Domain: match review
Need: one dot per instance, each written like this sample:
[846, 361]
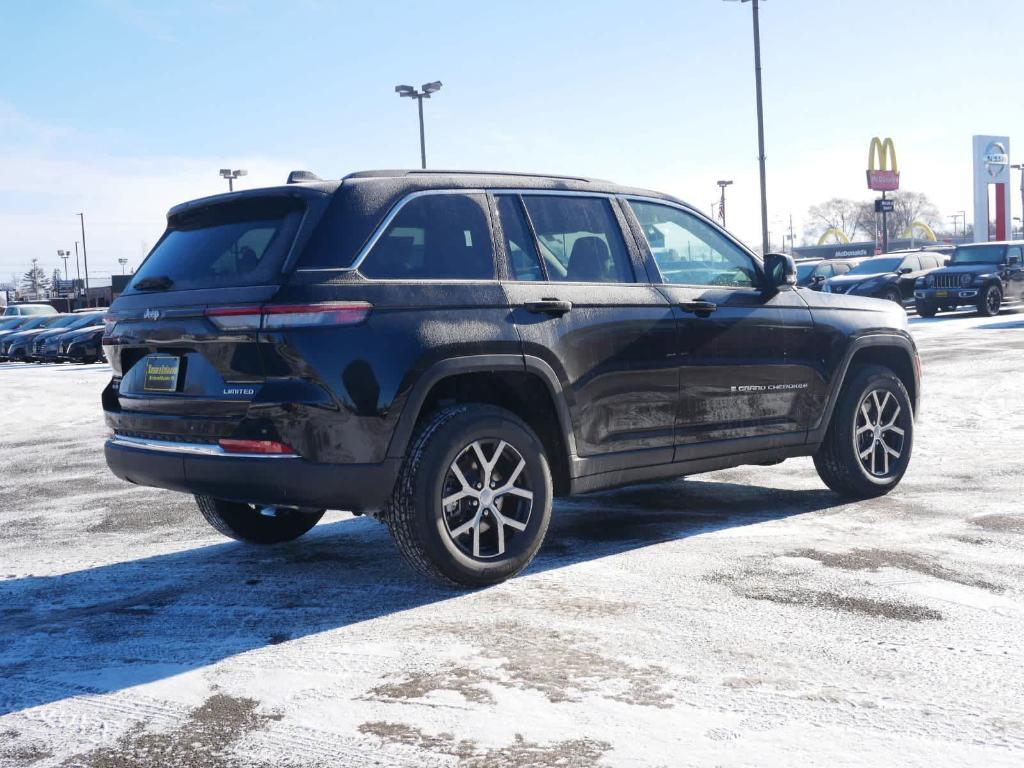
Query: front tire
[472, 502]
[891, 294]
[867, 447]
[254, 523]
[990, 301]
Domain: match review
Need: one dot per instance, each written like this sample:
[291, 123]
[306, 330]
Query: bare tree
[848, 216]
[908, 207]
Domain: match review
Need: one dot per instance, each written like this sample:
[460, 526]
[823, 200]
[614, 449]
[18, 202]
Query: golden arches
[927, 232]
[882, 151]
[835, 232]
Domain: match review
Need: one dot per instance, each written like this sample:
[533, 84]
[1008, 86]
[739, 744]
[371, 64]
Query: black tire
[421, 525]
[246, 522]
[990, 300]
[838, 459]
[926, 310]
[893, 294]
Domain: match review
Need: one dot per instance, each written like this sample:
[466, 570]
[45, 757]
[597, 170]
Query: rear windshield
[228, 244]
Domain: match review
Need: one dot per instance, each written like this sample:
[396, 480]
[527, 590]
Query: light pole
[85, 257]
[722, 184]
[64, 255]
[760, 125]
[78, 269]
[231, 175]
[424, 93]
[122, 261]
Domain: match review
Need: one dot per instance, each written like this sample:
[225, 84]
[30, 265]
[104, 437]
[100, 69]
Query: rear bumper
[281, 480]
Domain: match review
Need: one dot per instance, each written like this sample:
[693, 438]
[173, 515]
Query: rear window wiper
[160, 283]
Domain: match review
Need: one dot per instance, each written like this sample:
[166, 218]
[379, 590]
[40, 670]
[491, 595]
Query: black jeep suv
[982, 275]
[450, 350]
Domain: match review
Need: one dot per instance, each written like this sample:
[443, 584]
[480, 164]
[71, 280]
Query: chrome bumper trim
[202, 449]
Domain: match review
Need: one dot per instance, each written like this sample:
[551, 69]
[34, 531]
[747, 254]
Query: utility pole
[792, 243]
[85, 258]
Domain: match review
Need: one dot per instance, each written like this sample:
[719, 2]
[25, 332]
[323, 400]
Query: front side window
[689, 251]
[912, 263]
[579, 238]
[825, 270]
[435, 237]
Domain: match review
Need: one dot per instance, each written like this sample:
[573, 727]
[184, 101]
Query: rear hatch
[184, 338]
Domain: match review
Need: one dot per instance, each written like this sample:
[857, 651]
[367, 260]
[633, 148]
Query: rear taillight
[109, 321]
[255, 446]
[280, 316]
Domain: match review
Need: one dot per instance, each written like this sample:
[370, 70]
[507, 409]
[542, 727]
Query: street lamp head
[241, 172]
[225, 172]
[433, 87]
[724, 182]
[405, 90]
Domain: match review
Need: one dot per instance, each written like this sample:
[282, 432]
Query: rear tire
[867, 447]
[990, 301]
[247, 522]
[492, 469]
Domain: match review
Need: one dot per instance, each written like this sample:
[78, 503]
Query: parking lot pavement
[744, 617]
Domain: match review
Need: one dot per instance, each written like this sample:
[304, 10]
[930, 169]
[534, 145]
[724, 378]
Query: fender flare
[893, 340]
[456, 366]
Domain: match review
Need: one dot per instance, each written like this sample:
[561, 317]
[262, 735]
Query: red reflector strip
[254, 446]
[277, 316]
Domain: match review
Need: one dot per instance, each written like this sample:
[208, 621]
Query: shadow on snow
[114, 626]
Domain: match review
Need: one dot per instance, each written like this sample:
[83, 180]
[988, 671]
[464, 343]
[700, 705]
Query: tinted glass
[911, 262]
[876, 266]
[690, 252]
[10, 323]
[435, 237]
[841, 269]
[804, 271]
[580, 239]
[242, 243]
[978, 254]
[825, 270]
[1014, 253]
[523, 261]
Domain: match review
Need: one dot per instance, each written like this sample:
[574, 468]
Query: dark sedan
[45, 345]
[12, 345]
[83, 345]
[890, 277]
[812, 273]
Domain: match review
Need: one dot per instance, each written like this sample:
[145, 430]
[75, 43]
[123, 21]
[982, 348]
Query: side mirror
[1014, 261]
[946, 262]
[818, 279]
[780, 269]
[905, 270]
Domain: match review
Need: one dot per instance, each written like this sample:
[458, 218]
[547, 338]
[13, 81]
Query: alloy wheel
[877, 435]
[486, 498]
[992, 300]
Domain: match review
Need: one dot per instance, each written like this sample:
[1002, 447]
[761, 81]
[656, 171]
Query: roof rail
[450, 172]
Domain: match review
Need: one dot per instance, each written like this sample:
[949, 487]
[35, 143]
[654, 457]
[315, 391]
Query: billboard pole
[885, 227]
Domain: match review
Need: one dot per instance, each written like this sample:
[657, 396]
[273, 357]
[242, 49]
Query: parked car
[35, 324]
[890, 277]
[21, 310]
[448, 351]
[982, 275]
[82, 346]
[812, 273]
[12, 323]
[37, 351]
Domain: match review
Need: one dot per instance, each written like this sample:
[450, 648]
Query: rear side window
[523, 261]
[435, 237]
[580, 239]
[230, 244]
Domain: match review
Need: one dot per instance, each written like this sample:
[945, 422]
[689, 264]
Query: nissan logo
[996, 159]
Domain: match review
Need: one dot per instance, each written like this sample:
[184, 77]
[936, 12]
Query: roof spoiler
[298, 177]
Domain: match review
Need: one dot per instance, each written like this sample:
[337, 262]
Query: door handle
[699, 308]
[553, 307]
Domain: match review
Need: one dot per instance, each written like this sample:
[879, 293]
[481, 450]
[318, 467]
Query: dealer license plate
[942, 294]
[161, 374]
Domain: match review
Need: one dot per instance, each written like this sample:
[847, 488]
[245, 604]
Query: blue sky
[121, 109]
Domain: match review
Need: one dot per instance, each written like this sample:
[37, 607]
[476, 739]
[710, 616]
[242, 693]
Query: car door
[907, 279]
[745, 365]
[610, 339]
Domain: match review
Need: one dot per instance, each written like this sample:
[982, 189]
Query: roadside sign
[883, 205]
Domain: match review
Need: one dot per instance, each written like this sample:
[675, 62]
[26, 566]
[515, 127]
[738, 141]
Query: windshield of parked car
[81, 321]
[804, 271]
[978, 254]
[38, 321]
[11, 323]
[875, 266]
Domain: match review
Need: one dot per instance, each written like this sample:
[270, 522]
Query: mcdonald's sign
[883, 172]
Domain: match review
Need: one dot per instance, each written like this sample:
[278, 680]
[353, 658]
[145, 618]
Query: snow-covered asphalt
[740, 618]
